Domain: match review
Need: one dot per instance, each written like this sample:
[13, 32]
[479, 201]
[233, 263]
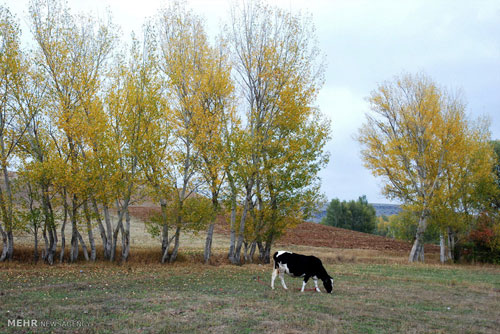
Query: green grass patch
[192, 298]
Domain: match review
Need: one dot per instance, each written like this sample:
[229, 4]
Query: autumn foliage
[93, 124]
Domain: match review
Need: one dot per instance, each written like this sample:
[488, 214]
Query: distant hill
[386, 209]
[380, 209]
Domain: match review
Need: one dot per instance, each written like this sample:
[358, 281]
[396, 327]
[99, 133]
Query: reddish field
[316, 235]
[312, 234]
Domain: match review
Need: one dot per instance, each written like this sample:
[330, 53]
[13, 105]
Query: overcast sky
[457, 43]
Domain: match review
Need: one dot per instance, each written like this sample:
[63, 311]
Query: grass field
[193, 298]
[375, 291]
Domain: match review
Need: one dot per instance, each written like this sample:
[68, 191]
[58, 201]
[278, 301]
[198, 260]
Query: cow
[298, 265]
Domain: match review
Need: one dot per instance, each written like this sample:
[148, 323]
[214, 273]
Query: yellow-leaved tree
[418, 141]
[468, 182]
[279, 74]
[12, 122]
[217, 111]
[185, 60]
[72, 51]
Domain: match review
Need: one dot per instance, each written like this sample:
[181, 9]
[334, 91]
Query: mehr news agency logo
[35, 323]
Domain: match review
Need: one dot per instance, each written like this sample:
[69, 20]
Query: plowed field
[318, 235]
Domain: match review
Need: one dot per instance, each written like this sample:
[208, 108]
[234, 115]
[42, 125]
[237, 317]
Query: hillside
[312, 234]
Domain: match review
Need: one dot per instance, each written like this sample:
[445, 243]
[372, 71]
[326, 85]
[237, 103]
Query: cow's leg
[275, 273]
[282, 278]
[306, 278]
[316, 284]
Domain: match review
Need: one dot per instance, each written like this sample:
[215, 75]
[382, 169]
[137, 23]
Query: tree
[72, 53]
[495, 200]
[135, 105]
[217, 110]
[416, 135]
[194, 92]
[353, 215]
[468, 185]
[39, 164]
[13, 124]
[279, 75]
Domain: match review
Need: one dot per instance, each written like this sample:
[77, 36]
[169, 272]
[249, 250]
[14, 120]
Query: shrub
[483, 242]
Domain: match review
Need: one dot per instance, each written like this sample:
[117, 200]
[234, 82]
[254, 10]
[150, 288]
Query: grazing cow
[297, 265]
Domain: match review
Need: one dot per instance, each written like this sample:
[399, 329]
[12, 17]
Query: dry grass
[376, 291]
[192, 298]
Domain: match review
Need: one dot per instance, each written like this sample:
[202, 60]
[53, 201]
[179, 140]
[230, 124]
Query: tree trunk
[417, 251]
[173, 256]
[115, 239]
[164, 224]
[230, 255]
[121, 210]
[102, 231]
[266, 258]
[8, 217]
[442, 248]
[36, 243]
[451, 244]
[10, 245]
[74, 232]
[52, 245]
[109, 232]
[4, 242]
[63, 237]
[245, 250]
[253, 247]
[165, 241]
[45, 250]
[236, 259]
[84, 247]
[89, 231]
[262, 251]
[118, 228]
[208, 242]
[49, 225]
[232, 186]
[165, 256]
[126, 237]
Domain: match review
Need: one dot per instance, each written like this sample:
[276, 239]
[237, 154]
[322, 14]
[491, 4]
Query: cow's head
[328, 284]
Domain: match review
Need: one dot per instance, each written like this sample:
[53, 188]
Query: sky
[457, 43]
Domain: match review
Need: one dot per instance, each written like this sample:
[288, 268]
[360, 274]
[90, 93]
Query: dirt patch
[312, 234]
[145, 212]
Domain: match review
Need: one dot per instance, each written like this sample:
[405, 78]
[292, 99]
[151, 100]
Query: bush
[403, 226]
[483, 242]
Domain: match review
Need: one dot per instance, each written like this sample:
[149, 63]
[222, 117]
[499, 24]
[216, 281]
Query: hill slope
[312, 234]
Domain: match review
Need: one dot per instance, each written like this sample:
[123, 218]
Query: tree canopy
[353, 215]
[429, 155]
[96, 124]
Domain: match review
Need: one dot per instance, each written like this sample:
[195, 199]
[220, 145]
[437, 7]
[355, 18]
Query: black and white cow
[298, 265]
